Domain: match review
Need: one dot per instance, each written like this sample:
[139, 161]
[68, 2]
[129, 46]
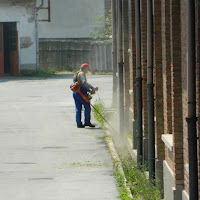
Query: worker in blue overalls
[85, 87]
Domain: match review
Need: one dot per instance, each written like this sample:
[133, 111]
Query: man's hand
[94, 90]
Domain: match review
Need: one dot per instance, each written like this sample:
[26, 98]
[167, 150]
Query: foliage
[124, 195]
[129, 135]
[137, 181]
[46, 73]
[103, 29]
[99, 106]
[42, 72]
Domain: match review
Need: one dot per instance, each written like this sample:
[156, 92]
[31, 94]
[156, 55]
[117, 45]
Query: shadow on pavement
[7, 78]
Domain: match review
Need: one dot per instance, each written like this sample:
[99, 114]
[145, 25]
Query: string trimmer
[101, 116]
[87, 97]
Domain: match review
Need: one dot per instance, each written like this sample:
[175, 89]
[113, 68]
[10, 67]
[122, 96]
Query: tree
[103, 29]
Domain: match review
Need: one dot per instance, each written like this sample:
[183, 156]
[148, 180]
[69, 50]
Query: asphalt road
[43, 155]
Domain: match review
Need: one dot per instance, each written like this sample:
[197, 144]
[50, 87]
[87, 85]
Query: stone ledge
[130, 92]
[168, 140]
[187, 168]
[185, 196]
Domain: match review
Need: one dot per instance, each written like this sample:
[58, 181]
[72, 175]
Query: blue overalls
[79, 102]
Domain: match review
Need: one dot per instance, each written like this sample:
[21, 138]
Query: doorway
[9, 62]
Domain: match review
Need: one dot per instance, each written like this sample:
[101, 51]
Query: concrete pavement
[43, 155]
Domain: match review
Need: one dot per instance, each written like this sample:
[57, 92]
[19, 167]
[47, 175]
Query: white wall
[71, 18]
[24, 14]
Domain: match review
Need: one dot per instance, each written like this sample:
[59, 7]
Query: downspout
[114, 51]
[150, 94]
[120, 70]
[138, 84]
[36, 34]
[191, 92]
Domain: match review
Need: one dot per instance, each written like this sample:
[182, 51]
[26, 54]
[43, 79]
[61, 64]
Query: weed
[103, 29]
[102, 73]
[137, 181]
[133, 177]
[42, 72]
[124, 194]
[46, 73]
[129, 135]
[99, 106]
[75, 70]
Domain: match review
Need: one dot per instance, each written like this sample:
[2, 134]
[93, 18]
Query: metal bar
[138, 83]
[36, 34]
[37, 41]
[101, 116]
[150, 94]
[120, 70]
[138, 37]
[192, 154]
[40, 6]
[114, 51]
[49, 10]
[191, 92]
[151, 132]
[139, 121]
[121, 97]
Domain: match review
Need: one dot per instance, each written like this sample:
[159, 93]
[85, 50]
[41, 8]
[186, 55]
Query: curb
[116, 161]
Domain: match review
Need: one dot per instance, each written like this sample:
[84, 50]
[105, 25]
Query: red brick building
[176, 33]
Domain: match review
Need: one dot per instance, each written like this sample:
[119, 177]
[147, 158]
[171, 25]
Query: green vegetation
[102, 73]
[48, 72]
[99, 106]
[105, 32]
[124, 193]
[43, 72]
[132, 179]
[130, 136]
[137, 181]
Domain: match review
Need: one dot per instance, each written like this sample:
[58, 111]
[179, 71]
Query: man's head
[85, 68]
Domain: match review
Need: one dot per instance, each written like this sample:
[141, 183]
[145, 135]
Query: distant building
[70, 19]
[17, 36]
[59, 21]
[65, 40]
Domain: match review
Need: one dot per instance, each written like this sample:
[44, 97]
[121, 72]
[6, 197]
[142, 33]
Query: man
[80, 76]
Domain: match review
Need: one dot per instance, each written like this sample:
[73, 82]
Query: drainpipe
[150, 94]
[114, 51]
[191, 92]
[36, 34]
[138, 84]
[120, 69]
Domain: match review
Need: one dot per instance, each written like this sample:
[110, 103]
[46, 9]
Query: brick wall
[126, 63]
[170, 76]
[168, 157]
[198, 80]
[132, 56]
[166, 69]
[144, 64]
[184, 89]
[159, 123]
[176, 85]
[166, 63]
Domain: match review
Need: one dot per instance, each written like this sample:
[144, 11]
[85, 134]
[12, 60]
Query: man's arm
[84, 83]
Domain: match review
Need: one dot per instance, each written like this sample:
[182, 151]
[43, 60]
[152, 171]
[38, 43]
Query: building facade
[17, 36]
[70, 19]
[171, 92]
[65, 29]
